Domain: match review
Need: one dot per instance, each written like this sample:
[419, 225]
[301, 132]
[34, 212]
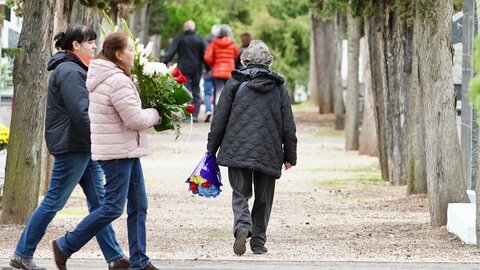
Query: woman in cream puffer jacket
[117, 120]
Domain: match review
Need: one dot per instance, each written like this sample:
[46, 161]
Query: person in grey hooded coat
[254, 133]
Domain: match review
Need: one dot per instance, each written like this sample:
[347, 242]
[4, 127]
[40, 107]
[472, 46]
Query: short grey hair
[257, 53]
[224, 31]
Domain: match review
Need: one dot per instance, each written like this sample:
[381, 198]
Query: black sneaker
[23, 263]
[259, 250]
[239, 245]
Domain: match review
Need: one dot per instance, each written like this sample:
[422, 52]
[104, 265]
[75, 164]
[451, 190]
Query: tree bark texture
[324, 51]
[417, 160]
[312, 73]
[312, 77]
[446, 182]
[399, 68]
[391, 58]
[368, 134]
[23, 172]
[352, 107]
[339, 107]
[140, 23]
[376, 43]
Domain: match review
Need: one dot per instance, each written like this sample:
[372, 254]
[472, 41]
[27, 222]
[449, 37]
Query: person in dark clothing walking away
[254, 133]
[190, 48]
[67, 133]
[246, 39]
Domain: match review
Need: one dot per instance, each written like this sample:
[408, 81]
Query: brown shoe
[150, 267]
[58, 257]
[121, 263]
[23, 263]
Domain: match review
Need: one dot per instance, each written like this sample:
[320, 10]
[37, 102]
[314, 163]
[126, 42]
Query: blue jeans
[69, 170]
[207, 92]
[124, 181]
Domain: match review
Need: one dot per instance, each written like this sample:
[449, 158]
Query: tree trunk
[416, 161]
[399, 70]
[312, 73]
[324, 47]
[338, 96]
[446, 183]
[351, 132]
[23, 170]
[368, 134]
[377, 48]
[140, 23]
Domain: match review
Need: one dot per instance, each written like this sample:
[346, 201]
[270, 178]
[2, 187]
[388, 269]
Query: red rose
[176, 72]
[181, 79]
[190, 108]
[206, 185]
[193, 186]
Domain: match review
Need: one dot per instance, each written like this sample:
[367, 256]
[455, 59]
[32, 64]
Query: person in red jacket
[221, 55]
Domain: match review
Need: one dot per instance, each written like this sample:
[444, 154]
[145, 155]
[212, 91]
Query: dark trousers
[193, 84]
[218, 85]
[264, 187]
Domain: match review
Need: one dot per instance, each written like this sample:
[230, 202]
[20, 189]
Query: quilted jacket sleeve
[289, 130]
[222, 114]
[126, 102]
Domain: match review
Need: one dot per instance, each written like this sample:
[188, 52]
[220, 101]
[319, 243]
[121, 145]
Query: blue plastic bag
[206, 179]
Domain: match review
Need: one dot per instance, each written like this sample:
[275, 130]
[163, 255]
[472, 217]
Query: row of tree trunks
[446, 184]
[352, 103]
[23, 171]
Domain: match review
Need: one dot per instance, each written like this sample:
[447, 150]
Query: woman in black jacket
[254, 133]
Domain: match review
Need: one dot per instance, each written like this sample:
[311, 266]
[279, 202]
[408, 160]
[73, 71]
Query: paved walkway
[79, 264]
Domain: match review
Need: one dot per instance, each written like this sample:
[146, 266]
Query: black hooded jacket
[190, 48]
[67, 126]
[254, 127]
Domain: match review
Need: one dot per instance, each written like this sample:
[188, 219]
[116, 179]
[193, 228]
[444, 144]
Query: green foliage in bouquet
[159, 86]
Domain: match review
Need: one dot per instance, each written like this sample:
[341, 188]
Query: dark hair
[116, 41]
[77, 32]
[246, 34]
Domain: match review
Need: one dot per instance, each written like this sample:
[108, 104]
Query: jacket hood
[62, 57]
[99, 70]
[261, 79]
[223, 42]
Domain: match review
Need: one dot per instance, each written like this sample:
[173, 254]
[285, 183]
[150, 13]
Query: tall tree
[368, 132]
[390, 43]
[324, 51]
[339, 106]
[23, 172]
[446, 183]
[377, 47]
[352, 103]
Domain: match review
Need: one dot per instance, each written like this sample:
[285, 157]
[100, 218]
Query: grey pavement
[82, 264]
